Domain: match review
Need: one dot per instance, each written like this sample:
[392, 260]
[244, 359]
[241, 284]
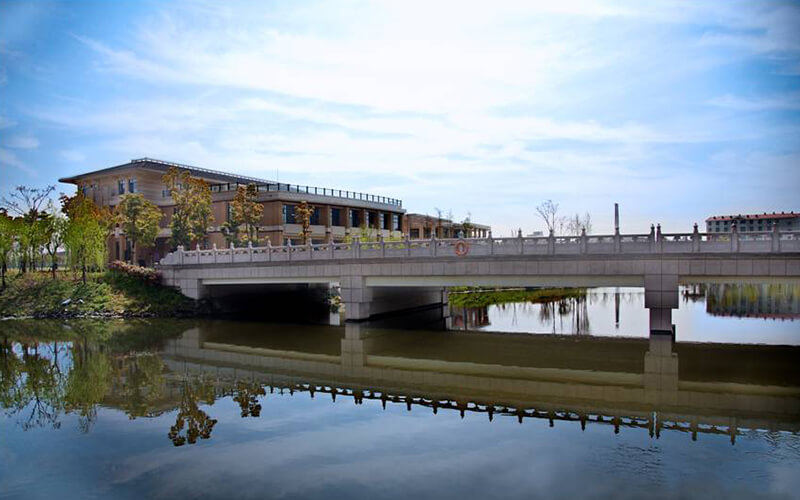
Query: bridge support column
[356, 297]
[661, 297]
[661, 370]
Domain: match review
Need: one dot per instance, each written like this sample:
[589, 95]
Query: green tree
[139, 219]
[28, 203]
[302, 213]
[86, 233]
[9, 233]
[245, 215]
[54, 228]
[192, 213]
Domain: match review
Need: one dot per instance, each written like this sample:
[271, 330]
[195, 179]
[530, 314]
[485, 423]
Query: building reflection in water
[654, 384]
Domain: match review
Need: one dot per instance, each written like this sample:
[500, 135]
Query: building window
[355, 218]
[228, 212]
[288, 214]
[131, 185]
[414, 234]
[336, 217]
[395, 222]
[120, 187]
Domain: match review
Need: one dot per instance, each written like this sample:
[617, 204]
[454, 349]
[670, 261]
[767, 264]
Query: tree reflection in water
[246, 395]
[49, 369]
[191, 422]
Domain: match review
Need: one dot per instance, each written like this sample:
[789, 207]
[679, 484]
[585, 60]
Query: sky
[675, 110]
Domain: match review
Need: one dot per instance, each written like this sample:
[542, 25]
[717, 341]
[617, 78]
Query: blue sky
[676, 110]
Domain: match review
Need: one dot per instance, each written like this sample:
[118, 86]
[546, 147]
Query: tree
[27, 203]
[303, 212]
[192, 213]
[139, 219]
[577, 224]
[245, 215]
[9, 233]
[548, 211]
[86, 232]
[54, 228]
[467, 225]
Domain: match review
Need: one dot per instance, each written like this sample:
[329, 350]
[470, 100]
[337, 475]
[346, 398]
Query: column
[356, 297]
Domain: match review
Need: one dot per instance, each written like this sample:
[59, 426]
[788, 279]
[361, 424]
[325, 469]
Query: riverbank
[110, 294]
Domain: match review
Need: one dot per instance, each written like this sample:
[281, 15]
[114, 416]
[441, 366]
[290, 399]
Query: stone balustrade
[655, 242]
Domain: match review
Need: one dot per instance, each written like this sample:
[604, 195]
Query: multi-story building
[337, 212]
[786, 221]
[422, 226]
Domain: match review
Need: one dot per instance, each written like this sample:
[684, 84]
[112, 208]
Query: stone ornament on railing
[656, 242]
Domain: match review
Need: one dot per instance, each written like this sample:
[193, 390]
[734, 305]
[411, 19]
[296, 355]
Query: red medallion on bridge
[462, 248]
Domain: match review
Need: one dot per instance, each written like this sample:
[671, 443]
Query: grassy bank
[472, 297]
[107, 294]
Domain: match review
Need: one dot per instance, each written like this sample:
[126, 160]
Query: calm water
[218, 409]
[757, 314]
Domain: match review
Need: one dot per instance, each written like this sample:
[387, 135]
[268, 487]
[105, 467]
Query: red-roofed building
[786, 221]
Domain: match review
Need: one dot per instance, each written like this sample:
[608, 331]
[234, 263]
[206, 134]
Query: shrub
[146, 274]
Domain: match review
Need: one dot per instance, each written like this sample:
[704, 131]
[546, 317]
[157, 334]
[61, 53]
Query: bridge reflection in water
[652, 384]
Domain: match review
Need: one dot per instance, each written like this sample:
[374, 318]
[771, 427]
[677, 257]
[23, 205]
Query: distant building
[336, 211]
[786, 221]
[422, 226]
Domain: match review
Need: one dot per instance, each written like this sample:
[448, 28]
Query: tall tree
[302, 213]
[192, 213]
[577, 224]
[9, 232]
[28, 203]
[548, 211]
[86, 233]
[54, 229]
[139, 218]
[245, 215]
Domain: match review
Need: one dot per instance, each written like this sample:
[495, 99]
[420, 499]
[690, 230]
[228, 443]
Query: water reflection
[653, 384]
[706, 311]
[237, 399]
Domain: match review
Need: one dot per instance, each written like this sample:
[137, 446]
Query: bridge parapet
[654, 243]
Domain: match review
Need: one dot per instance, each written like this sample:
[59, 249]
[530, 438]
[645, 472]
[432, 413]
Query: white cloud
[785, 102]
[22, 142]
[10, 159]
[73, 155]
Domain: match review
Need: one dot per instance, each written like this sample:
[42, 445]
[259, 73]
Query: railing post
[651, 238]
[269, 250]
[356, 247]
[776, 238]
[289, 248]
[617, 241]
[408, 245]
[310, 248]
[695, 239]
[734, 238]
[383, 245]
[231, 248]
[250, 250]
[520, 241]
[214, 250]
[659, 239]
[491, 243]
[180, 254]
[551, 243]
[433, 244]
[584, 241]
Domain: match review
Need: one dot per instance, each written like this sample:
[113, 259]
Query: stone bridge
[377, 278]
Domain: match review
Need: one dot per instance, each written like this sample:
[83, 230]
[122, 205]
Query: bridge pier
[363, 302]
[661, 297]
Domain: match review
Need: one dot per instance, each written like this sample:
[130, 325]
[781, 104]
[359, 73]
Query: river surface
[221, 409]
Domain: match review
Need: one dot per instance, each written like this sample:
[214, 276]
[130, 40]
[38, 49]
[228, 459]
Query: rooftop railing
[629, 244]
[318, 191]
